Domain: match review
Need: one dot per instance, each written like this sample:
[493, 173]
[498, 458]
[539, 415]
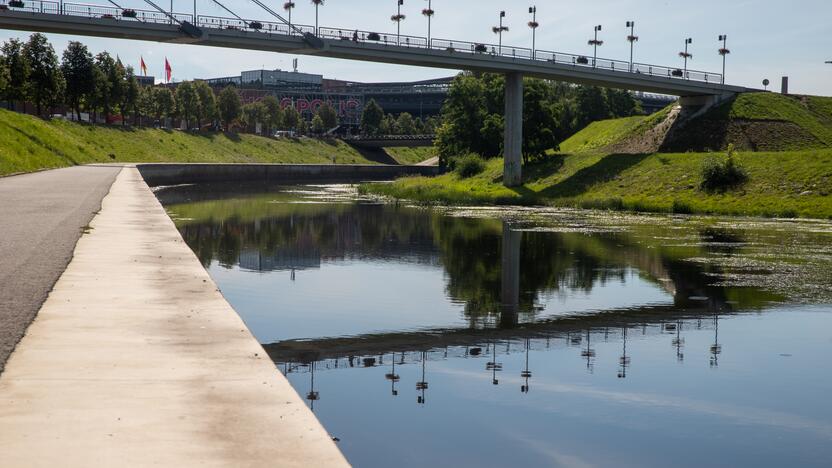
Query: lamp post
[685, 55]
[398, 17]
[289, 6]
[171, 12]
[595, 43]
[632, 39]
[534, 25]
[499, 31]
[723, 51]
[317, 4]
[428, 12]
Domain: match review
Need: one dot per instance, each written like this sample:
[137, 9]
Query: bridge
[391, 141]
[281, 36]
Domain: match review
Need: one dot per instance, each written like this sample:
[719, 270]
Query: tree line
[472, 119]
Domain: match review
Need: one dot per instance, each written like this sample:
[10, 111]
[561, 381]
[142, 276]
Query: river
[530, 336]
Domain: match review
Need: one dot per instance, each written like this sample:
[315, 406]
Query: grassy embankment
[585, 174]
[412, 155]
[29, 144]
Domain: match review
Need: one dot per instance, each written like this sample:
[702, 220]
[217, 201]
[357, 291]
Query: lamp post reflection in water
[422, 385]
[312, 396]
[716, 348]
[589, 354]
[493, 365]
[624, 360]
[526, 374]
[679, 342]
[393, 377]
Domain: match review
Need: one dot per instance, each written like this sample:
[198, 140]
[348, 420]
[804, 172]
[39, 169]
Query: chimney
[784, 85]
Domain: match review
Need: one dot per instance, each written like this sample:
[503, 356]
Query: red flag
[168, 70]
[143, 66]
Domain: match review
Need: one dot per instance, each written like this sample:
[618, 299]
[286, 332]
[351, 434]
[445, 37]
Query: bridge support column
[513, 143]
[510, 276]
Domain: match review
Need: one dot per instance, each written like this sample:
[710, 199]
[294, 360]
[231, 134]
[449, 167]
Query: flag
[143, 67]
[168, 70]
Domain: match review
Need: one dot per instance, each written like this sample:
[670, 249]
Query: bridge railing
[372, 37]
[481, 48]
[218, 22]
[34, 6]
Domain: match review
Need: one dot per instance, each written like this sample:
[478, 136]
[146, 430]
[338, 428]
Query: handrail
[369, 37]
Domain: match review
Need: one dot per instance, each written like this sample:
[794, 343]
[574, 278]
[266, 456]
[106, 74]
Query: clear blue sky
[767, 38]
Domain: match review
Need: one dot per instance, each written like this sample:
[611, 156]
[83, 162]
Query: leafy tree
[46, 82]
[303, 127]
[207, 109]
[590, 106]
[4, 77]
[318, 126]
[253, 114]
[621, 103]
[164, 103]
[371, 118]
[274, 114]
[145, 105]
[540, 120]
[229, 106]
[328, 115]
[291, 118]
[405, 124]
[16, 64]
[187, 102]
[388, 125]
[104, 73]
[77, 67]
[129, 103]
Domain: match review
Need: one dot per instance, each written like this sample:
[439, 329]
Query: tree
[405, 124]
[164, 103]
[4, 77]
[130, 95]
[621, 103]
[540, 120]
[77, 67]
[274, 114]
[17, 65]
[328, 115]
[229, 106]
[104, 73]
[291, 118]
[388, 125]
[590, 106]
[318, 126]
[46, 82]
[207, 109]
[187, 102]
[371, 118]
[253, 114]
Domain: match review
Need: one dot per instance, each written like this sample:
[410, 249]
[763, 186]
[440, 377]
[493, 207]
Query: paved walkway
[136, 359]
[42, 217]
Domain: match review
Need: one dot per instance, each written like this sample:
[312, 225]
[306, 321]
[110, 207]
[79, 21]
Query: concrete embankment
[172, 174]
[136, 359]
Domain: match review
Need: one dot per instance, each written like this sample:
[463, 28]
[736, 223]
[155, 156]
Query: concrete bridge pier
[513, 132]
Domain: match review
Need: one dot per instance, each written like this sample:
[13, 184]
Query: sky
[767, 38]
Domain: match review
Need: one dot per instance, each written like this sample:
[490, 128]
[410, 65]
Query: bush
[468, 165]
[720, 174]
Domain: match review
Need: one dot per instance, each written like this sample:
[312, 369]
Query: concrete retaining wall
[173, 174]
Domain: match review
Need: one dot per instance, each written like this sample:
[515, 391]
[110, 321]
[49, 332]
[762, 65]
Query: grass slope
[783, 184]
[600, 134]
[412, 155]
[30, 144]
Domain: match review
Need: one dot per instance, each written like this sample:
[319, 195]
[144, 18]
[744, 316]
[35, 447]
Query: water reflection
[423, 327]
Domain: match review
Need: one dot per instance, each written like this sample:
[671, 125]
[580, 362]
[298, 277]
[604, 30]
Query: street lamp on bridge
[317, 4]
[632, 39]
[428, 12]
[289, 6]
[534, 25]
[499, 31]
[595, 43]
[398, 18]
[686, 55]
[723, 51]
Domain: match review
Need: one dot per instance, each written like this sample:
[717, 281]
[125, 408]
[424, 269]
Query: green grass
[30, 144]
[781, 184]
[412, 155]
[598, 135]
[814, 115]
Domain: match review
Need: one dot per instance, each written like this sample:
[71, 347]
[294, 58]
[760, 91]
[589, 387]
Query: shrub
[720, 174]
[468, 165]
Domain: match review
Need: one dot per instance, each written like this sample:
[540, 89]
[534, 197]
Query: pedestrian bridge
[236, 32]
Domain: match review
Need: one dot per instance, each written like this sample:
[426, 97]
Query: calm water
[517, 337]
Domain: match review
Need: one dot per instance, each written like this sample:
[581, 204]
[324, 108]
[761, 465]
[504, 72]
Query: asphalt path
[42, 216]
